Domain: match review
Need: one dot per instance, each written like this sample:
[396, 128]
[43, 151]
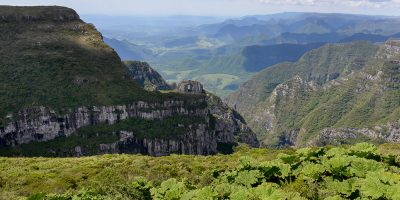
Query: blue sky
[219, 7]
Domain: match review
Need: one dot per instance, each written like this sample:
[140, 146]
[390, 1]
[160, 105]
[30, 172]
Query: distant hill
[129, 51]
[181, 42]
[258, 58]
[239, 32]
[302, 38]
[369, 37]
[332, 95]
[317, 63]
[303, 23]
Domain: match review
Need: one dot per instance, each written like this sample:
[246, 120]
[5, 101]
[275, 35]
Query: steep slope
[146, 76]
[63, 89]
[345, 97]
[58, 62]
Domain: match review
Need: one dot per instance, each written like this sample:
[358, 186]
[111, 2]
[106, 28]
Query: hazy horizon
[218, 8]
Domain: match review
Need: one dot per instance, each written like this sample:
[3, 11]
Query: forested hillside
[338, 94]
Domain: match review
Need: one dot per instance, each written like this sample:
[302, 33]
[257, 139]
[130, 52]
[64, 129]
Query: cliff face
[221, 126]
[66, 93]
[42, 124]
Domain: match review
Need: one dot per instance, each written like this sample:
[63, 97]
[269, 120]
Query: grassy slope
[61, 65]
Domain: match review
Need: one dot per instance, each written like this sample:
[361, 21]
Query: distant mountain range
[305, 23]
[229, 52]
[129, 51]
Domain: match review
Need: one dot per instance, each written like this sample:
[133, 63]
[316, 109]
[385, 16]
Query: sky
[218, 7]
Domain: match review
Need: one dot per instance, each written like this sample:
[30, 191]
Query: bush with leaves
[353, 172]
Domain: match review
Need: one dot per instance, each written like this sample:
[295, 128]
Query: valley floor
[247, 174]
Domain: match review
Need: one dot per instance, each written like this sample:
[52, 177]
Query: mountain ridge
[338, 109]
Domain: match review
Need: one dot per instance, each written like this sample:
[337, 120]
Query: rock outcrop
[190, 87]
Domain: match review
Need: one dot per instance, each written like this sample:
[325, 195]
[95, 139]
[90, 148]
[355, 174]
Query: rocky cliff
[66, 93]
[221, 126]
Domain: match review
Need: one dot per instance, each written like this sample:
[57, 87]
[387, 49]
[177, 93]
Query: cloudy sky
[219, 7]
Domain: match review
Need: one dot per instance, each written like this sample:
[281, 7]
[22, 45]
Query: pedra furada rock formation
[64, 92]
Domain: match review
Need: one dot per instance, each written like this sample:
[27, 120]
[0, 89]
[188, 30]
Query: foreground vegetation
[350, 172]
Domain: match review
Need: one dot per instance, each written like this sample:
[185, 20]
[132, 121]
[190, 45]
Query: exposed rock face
[338, 136]
[190, 87]
[196, 142]
[41, 124]
[228, 120]
[146, 76]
